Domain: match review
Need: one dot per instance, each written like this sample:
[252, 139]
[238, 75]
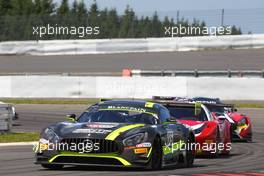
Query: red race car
[212, 133]
[241, 124]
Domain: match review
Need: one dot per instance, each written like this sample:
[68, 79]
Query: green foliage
[17, 19]
[19, 137]
[63, 8]
[43, 7]
[5, 7]
[235, 31]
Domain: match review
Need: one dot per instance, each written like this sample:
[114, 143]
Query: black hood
[93, 130]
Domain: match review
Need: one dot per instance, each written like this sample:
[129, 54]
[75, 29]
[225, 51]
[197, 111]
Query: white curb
[17, 144]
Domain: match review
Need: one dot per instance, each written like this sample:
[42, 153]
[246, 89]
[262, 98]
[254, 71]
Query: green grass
[238, 104]
[18, 137]
[247, 105]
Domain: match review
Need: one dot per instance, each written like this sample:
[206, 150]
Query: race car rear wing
[171, 103]
[203, 100]
[175, 99]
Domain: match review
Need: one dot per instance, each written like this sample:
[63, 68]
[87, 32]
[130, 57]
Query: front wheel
[190, 152]
[52, 166]
[156, 156]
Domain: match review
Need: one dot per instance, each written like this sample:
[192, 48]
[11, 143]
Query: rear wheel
[52, 166]
[218, 140]
[227, 150]
[250, 137]
[156, 156]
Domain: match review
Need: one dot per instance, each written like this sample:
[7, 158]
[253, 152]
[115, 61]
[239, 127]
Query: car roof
[182, 101]
[138, 103]
[175, 103]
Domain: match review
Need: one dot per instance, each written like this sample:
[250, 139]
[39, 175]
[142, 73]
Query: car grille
[103, 146]
[87, 160]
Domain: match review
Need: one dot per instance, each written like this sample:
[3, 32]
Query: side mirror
[235, 110]
[221, 119]
[71, 117]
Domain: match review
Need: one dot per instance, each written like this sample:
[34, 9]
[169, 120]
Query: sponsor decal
[169, 138]
[207, 102]
[141, 150]
[146, 144]
[101, 125]
[127, 108]
[92, 131]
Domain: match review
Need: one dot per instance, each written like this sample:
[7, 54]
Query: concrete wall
[104, 46]
[131, 87]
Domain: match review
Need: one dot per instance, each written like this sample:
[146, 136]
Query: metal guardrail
[60, 74]
[200, 73]
[158, 73]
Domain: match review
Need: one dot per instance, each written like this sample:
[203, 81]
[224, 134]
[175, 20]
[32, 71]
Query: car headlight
[242, 122]
[135, 139]
[50, 135]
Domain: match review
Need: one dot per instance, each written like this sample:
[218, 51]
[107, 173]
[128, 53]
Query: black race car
[117, 133]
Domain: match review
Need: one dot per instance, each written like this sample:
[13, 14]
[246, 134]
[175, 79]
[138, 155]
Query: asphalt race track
[109, 63]
[245, 157]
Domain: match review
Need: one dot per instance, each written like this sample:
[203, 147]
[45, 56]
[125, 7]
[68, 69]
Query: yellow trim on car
[150, 150]
[113, 135]
[149, 104]
[123, 161]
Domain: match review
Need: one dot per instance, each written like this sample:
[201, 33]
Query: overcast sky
[171, 5]
[247, 14]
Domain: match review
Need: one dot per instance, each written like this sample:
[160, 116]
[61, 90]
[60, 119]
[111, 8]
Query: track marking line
[17, 144]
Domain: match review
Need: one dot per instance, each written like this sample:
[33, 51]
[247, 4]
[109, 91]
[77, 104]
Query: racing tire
[190, 154]
[249, 140]
[218, 140]
[156, 156]
[52, 166]
[227, 152]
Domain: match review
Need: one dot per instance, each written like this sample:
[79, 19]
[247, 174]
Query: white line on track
[17, 144]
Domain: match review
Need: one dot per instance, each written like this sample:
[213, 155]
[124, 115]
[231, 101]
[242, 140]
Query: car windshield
[118, 114]
[187, 113]
[217, 109]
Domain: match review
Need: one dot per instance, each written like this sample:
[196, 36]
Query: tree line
[17, 18]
